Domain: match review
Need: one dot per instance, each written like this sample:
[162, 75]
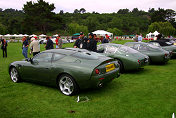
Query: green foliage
[115, 31]
[165, 28]
[75, 28]
[40, 16]
[3, 29]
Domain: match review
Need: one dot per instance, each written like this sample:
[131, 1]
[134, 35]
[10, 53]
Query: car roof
[112, 44]
[61, 51]
[161, 42]
[137, 43]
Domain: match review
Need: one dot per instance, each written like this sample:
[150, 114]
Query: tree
[61, 12]
[162, 15]
[39, 16]
[75, 28]
[165, 28]
[76, 11]
[3, 29]
[82, 10]
[123, 11]
[115, 31]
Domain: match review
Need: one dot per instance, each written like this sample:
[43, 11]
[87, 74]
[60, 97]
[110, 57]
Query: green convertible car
[156, 54]
[128, 58]
[70, 70]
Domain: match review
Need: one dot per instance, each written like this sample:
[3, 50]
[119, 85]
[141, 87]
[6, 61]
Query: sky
[100, 6]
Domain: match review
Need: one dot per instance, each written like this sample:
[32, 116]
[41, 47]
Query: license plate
[110, 67]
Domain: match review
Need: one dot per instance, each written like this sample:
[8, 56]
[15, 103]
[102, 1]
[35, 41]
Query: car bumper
[100, 80]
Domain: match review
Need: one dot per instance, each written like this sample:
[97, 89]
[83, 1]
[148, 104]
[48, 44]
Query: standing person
[25, 47]
[49, 44]
[136, 38]
[81, 42]
[35, 46]
[140, 38]
[59, 42]
[4, 47]
[106, 40]
[91, 43]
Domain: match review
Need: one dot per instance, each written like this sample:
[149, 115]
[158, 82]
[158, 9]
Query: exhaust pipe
[100, 85]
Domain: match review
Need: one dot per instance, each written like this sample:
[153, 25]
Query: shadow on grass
[86, 92]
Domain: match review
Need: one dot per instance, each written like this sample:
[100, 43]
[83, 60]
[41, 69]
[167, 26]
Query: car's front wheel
[14, 75]
[67, 85]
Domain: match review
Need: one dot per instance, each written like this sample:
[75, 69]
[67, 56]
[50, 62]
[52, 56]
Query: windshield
[126, 49]
[153, 46]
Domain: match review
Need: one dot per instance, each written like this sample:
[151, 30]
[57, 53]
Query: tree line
[38, 17]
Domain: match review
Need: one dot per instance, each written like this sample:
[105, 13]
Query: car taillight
[165, 55]
[139, 61]
[97, 71]
[101, 78]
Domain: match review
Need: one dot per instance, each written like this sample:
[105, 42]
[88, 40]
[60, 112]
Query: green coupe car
[166, 46]
[69, 69]
[128, 58]
[156, 54]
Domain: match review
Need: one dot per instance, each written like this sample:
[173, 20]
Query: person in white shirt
[35, 46]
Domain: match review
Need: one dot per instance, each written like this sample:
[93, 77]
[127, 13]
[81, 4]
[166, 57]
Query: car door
[40, 67]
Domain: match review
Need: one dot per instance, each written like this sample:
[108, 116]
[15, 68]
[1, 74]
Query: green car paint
[48, 66]
[156, 54]
[129, 58]
[171, 48]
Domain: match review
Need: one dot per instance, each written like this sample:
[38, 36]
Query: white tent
[1, 35]
[7, 35]
[102, 33]
[155, 33]
[42, 35]
[15, 35]
[150, 35]
[33, 35]
[25, 35]
[56, 35]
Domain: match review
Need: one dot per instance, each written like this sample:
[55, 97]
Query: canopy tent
[76, 34]
[1, 35]
[102, 33]
[55, 35]
[42, 35]
[20, 35]
[7, 35]
[156, 33]
[25, 35]
[33, 35]
[150, 35]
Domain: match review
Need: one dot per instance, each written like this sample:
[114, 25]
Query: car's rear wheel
[14, 75]
[121, 70]
[67, 85]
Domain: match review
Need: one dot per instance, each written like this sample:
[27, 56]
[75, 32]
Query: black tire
[14, 75]
[67, 85]
[121, 70]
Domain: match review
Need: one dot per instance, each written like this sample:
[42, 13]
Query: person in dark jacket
[4, 47]
[49, 44]
[106, 40]
[91, 43]
[81, 42]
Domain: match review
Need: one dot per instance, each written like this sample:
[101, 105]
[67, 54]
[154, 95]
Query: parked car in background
[156, 54]
[69, 69]
[166, 46]
[128, 58]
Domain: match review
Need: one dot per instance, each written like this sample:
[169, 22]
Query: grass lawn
[147, 93]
